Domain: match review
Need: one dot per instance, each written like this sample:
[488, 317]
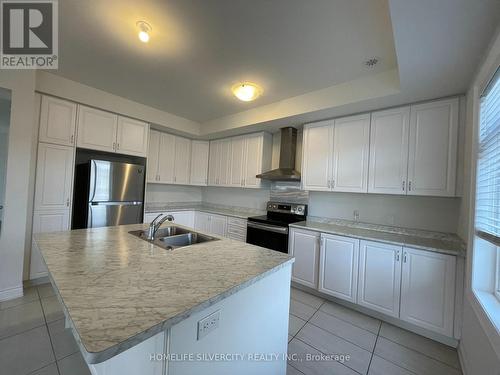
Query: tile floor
[376, 348]
[33, 340]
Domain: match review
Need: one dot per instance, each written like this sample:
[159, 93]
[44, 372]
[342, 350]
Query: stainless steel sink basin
[173, 237]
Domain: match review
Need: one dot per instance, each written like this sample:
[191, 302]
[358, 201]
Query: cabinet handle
[114, 146]
[409, 186]
[72, 139]
[67, 202]
[118, 146]
[333, 184]
[404, 184]
[175, 179]
[404, 258]
[397, 256]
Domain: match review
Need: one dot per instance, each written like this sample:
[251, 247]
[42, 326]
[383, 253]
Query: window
[487, 216]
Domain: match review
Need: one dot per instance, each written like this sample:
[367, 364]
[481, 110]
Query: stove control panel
[287, 208]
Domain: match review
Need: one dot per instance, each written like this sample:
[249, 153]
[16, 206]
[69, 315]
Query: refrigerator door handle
[133, 203]
[93, 180]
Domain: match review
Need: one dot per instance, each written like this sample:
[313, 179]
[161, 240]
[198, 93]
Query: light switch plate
[208, 324]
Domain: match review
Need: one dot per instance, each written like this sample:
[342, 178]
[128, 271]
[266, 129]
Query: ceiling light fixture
[144, 30]
[247, 91]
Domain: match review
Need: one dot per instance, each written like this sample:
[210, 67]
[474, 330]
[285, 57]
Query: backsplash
[282, 191]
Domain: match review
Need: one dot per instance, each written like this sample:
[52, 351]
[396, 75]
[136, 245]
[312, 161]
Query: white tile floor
[33, 340]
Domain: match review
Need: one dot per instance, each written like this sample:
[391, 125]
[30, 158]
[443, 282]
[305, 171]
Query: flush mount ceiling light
[144, 30]
[246, 91]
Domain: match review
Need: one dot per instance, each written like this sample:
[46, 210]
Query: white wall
[159, 193]
[18, 194]
[429, 213]
[4, 142]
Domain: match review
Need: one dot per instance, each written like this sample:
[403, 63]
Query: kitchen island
[135, 307]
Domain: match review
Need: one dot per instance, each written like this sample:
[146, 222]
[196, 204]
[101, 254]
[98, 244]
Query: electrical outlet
[208, 324]
[356, 215]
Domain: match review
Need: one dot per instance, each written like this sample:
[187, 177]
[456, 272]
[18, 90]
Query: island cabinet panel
[57, 121]
[199, 163]
[96, 129]
[433, 148]
[428, 290]
[380, 277]
[246, 317]
[137, 359]
[54, 177]
[338, 270]
[389, 151]
[304, 246]
[351, 140]
[316, 156]
[132, 137]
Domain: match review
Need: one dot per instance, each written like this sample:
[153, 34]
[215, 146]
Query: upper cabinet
[335, 155]
[237, 161]
[169, 159]
[389, 151]
[105, 131]
[199, 163]
[57, 121]
[409, 150]
[433, 148]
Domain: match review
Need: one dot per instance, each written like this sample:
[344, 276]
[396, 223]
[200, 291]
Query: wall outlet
[355, 214]
[208, 324]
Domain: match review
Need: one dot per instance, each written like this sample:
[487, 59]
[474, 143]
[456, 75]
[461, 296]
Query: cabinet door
[43, 222]
[238, 161]
[96, 129]
[182, 161]
[253, 158]
[317, 156]
[202, 222]
[351, 142]
[199, 163]
[166, 158]
[54, 177]
[218, 225]
[380, 277]
[183, 218]
[225, 162]
[338, 271]
[153, 154]
[433, 148]
[214, 163]
[428, 290]
[389, 151]
[304, 246]
[57, 121]
[132, 138]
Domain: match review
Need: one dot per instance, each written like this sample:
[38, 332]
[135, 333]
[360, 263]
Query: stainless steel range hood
[286, 170]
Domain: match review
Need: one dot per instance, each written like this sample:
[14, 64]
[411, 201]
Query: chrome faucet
[156, 224]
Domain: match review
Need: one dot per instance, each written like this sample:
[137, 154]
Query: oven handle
[269, 228]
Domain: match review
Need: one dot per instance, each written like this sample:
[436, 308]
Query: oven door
[269, 236]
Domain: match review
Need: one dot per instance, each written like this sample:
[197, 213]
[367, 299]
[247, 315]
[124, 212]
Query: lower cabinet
[304, 246]
[180, 217]
[428, 290]
[44, 222]
[379, 279]
[338, 266]
[237, 229]
[210, 223]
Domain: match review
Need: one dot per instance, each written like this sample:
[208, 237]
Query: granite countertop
[118, 290]
[445, 243]
[238, 212]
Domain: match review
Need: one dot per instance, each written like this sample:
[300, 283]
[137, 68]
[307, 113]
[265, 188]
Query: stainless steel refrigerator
[115, 193]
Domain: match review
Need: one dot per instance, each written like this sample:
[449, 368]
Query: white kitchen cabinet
[211, 223]
[304, 246]
[202, 221]
[389, 151]
[317, 156]
[380, 277]
[153, 156]
[185, 218]
[351, 142]
[132, 137]
[238, 161]
[182, 161]
[338, 269]
[166, 158]
[57, 121]
[54, 177]
[433, 148]
[428, 290]
[219, 168]
[258, 157]
[199, 163]
[44, 222]
[237, 229]
[96, 129]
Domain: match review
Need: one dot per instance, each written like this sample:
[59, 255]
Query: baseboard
[463, 361]
[11, 293]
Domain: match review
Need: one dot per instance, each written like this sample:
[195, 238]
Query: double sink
[174, 237]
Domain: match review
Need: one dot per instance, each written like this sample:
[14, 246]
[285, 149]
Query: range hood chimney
[286, 170]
